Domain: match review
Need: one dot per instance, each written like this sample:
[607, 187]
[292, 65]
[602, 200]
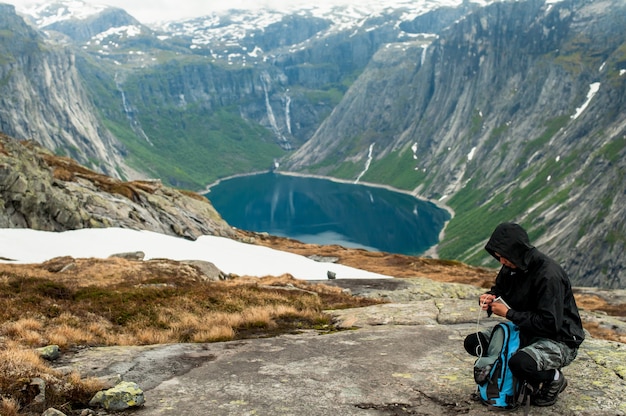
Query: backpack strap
[523, 399]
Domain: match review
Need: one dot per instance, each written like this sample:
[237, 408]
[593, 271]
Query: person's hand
[485, 300]
[499, 309]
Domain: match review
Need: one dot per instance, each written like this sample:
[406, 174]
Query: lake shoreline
[430, 252]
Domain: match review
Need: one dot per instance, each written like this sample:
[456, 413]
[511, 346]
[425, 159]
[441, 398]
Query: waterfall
[287, 112]
[270, 113]
[367, 163]
[423, 55]
[134, 123]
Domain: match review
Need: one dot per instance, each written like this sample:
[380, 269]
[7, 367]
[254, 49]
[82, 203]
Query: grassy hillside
[185, 146]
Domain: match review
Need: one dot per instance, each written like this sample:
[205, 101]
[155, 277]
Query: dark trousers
[524, 364]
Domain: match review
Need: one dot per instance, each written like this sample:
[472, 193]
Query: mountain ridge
[483, 139]
[435, 97]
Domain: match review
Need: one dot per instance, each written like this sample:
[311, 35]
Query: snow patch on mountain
[50, 13]
[593, 90]
[229, 35]
[471, 154]
[122, 31]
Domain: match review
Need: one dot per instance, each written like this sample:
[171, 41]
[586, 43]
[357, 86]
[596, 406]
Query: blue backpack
[497, 387]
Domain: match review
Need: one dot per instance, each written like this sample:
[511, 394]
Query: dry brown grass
[598, 331]
[67, 169]
[48, 310]
[9, 407]
[17, 362]
[28, 330]
[18, 366]
[120, 302]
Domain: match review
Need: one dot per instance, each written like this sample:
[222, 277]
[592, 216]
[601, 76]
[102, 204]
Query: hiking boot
[547, 395]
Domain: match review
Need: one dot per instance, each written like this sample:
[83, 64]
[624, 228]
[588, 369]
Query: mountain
[515, 112]
[249, 86]
[43, 98]
[501, 111]
[80, 22]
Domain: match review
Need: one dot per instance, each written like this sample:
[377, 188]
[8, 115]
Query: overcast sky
[154, 10]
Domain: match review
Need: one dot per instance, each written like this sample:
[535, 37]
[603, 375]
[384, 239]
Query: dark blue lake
[320, 211]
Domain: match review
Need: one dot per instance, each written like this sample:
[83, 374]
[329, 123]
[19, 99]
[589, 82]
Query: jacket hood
[510, 241]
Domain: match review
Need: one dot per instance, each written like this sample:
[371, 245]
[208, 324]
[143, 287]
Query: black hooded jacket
[538, 290]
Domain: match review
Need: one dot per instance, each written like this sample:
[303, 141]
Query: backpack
[496, 385]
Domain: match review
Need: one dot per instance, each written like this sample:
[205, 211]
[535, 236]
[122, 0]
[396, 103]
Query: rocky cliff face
[45, 192]
[515, 113]
[43, 98]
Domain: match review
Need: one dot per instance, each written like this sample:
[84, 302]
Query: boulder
[50, 352]
[123, 396]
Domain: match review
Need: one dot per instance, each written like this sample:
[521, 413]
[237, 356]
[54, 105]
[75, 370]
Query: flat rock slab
[412, 368]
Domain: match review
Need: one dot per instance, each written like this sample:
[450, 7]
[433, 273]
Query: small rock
[208, 269]
[40, 399]
[323, 259]
[50, 353]
[123, 396]
[133, 255]
[59, 264]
